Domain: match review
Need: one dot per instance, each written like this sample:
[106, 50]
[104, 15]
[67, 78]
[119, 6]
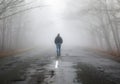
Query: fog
[90, 30]
[57, 16]
[81, 23]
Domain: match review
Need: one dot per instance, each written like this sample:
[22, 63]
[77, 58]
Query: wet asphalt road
[75, 66]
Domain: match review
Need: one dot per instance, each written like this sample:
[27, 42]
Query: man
[58, 42]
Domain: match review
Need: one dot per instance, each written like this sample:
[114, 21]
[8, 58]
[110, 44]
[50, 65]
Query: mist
[60, 41]
[57, 17]
[81, 23]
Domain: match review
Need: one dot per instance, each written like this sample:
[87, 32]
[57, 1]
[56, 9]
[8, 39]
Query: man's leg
[60, 49]
[57, 49]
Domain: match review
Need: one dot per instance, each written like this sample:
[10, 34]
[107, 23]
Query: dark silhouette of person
[58, 42]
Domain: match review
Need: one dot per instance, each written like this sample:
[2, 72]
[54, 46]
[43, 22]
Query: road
[75, 66]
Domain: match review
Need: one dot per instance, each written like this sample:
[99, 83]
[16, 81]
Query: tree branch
[20, 12]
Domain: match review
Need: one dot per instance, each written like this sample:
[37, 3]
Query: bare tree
[9, 11]
[107, 12]
[5, 5]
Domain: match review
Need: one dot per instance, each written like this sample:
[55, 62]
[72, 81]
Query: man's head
[58, 34]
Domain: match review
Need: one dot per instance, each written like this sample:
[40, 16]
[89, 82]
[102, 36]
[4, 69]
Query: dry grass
[110, 54]
[13, 52]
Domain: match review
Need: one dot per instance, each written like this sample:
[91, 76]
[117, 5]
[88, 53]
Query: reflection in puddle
[56, 64]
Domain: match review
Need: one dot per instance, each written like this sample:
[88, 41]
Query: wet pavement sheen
[41, 68]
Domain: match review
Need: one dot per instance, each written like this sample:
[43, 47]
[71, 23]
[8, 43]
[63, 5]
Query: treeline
[105, 24]
[13, 30]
